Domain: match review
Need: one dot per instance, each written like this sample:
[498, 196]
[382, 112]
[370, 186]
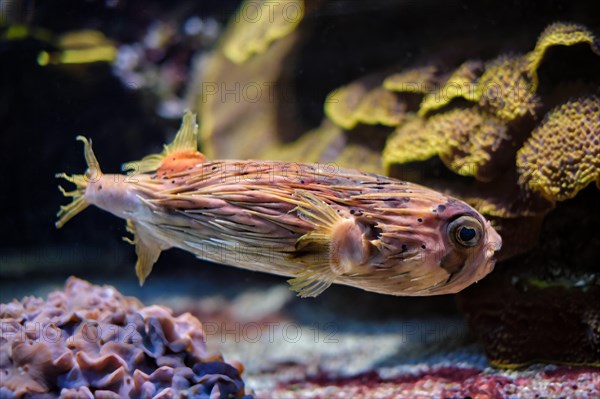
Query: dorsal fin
[177, 156]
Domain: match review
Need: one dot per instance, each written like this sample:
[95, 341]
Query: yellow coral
[381, 107]
[364, 101]
[415, 80]
[464, 139]
[372, 102]
[559, 34]
[461, 83]
[470, 139]
[410, 142]
[506, 90]
[562, 156]
[257, 24]
[342, 103]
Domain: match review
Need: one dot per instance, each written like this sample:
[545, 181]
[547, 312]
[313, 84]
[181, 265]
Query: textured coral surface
[89, 341]
[562, 156]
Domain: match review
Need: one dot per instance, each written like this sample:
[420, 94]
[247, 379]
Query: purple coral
[90, 341]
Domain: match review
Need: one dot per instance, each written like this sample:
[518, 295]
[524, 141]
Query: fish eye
[465, 231]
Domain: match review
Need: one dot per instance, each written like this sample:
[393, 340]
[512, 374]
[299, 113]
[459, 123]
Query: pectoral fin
[147, 249]
[333, 248]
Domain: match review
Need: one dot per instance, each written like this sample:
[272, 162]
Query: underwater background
[136, 67]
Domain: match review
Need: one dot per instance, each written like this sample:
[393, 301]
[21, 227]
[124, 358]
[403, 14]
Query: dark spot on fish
[420, 220]
[441, 208]
[352, 211]
[404, 247]
[173, 181]
[214, 168]
[423, 246]
[434, 210]
[100, 187]
[301, 181]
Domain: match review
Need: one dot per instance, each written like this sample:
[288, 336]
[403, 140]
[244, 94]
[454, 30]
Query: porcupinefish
[316, 223]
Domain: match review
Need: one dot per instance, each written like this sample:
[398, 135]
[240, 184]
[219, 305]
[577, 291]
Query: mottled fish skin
[316, 223]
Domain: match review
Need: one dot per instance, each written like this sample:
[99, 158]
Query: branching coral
[89, 341]
[562, 156]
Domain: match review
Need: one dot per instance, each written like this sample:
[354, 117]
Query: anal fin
[312, 280]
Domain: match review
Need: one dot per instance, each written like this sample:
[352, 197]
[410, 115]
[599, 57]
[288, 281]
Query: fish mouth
[494, 243]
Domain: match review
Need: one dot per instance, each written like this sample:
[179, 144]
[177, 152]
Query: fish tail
[78, 203]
